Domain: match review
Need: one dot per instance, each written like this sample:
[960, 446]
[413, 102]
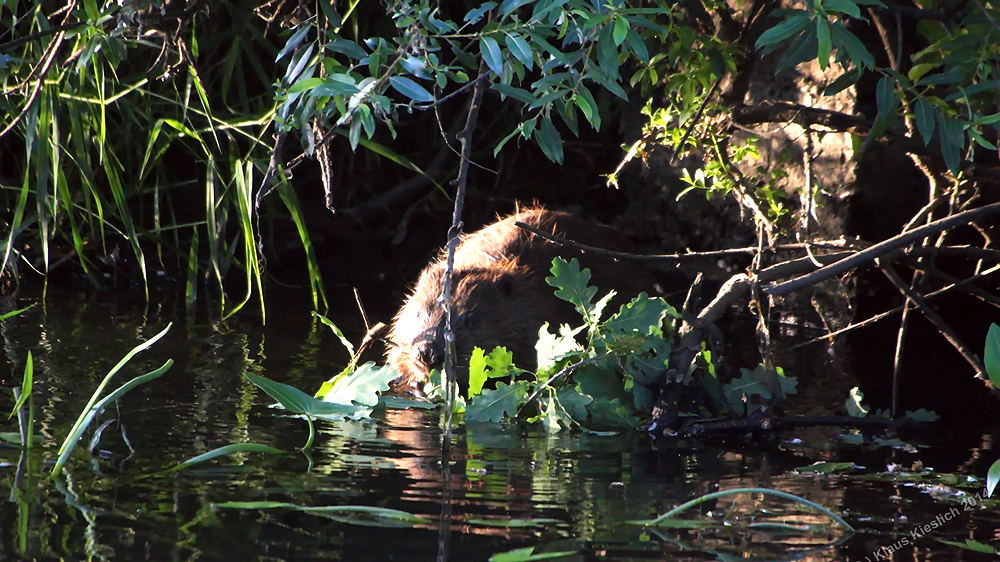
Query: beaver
[500, 295]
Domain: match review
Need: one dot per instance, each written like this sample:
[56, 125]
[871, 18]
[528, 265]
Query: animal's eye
[472, 321]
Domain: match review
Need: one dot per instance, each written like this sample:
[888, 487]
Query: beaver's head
[502, 304]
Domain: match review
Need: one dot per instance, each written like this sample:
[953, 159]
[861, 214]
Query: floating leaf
[527, 554]
[827, 467]
[992, 477]
[298, 402]
[226, 451]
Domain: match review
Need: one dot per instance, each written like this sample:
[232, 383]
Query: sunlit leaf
[855, 407]
[643, 314]
[620, 31]
[298, 402]
[363, 386]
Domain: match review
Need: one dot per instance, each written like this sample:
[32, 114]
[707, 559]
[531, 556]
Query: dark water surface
[580, 491]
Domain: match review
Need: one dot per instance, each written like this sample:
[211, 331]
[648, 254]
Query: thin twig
[454, 236]
[890, 312]
[939, 323]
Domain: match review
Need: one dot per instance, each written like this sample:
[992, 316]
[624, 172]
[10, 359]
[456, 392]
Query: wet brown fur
[500, 294]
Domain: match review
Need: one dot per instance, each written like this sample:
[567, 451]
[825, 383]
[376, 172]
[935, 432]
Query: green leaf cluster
[549, 57]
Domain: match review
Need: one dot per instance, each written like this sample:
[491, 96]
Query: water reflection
[510, 486]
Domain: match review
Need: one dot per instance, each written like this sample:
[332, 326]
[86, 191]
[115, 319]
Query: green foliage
[545, 57]
[608, 383]
[951, 83]
[493, 405]
[120, 151]
[499, 363]
[748, 393]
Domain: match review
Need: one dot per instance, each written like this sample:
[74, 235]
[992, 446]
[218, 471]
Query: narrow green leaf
[516, 93]
[787, 28]
[885, 95]
[950, 149]
[823, 43]
[620, 30]
[843, 6]
[298, 402]
[993, 476]
[475, 14]
[803, 48]
[28, 382]
[856, 50]
[924, 114]
[509, 6]
[410, 89]
[293, 42]
[303, 85]
[991, 356]
[336, 331]
[844, 81]
[88, 414]
[491, 54]
[588, 105]
[550, 141]
[520, 49]
[226, 451]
